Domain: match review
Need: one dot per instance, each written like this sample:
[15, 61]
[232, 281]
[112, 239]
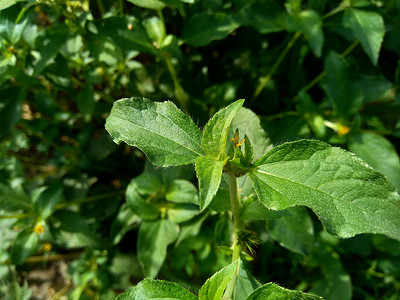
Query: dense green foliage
[313, 218]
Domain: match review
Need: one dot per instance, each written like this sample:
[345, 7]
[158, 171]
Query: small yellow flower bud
[236, 140]
[47, 247]
[38, 229]
[343, 130]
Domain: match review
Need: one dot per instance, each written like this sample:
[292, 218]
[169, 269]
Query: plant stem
[267, 77]
[237, 226]
[180, 93]
[342, 6]
[323, 73]
[100, 7]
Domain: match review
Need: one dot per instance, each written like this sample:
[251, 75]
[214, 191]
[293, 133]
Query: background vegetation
[328, 70]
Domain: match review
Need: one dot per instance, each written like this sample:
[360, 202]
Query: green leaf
[340, 85]
[155, 29]
[7, 3]
[10, 109]
[153, 240]
[209, 173]
[103, 49]
[122, 223]
[215, 286]
[265, 17]
[50, 47]
[245, 283]
[216, 130]
[221, 201]
[347, 195]
[74, 222]
[151, 4]
[271, 291]
[182, 191]
[46, 200]
[379, 153]
[11, 29]
[376, 88]
[204, 28]
[179, 213]
[85, 101]
[164, 133]
[334, 283]
[128, 33]
[138, 205]
[294, 231]
[249, 125]
[309, 23]
[13, 198]
[26, 243]
[17, 292]
[157, 289]
[254, 210]
[147, 183]
[368, 27]
[190, 228]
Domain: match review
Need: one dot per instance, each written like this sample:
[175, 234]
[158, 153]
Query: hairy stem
[237, 226]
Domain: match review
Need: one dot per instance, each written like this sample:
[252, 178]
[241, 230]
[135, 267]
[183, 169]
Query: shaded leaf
[379, 153]
[85, 101]
[153, 240]
[294, 231]
[245, 283]
[335, 283]
[340, 85]
[46, 200]
[203, 28]
[13, 198]
[128, 33]
[25, 244]
[368, 27]
[309, 23]
[10, 109]
[182, 191]
[265, 17]
[138, 205]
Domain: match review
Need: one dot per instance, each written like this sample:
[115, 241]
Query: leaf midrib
[158, 134]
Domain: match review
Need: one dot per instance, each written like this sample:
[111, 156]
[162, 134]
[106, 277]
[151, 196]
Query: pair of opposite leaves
[346, 194]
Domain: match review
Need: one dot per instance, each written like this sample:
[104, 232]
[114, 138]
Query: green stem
[100, 7]
[234, 194]
[267, 77]
[180, 93]
[323, 73]
[17, 216]
[342, 6]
